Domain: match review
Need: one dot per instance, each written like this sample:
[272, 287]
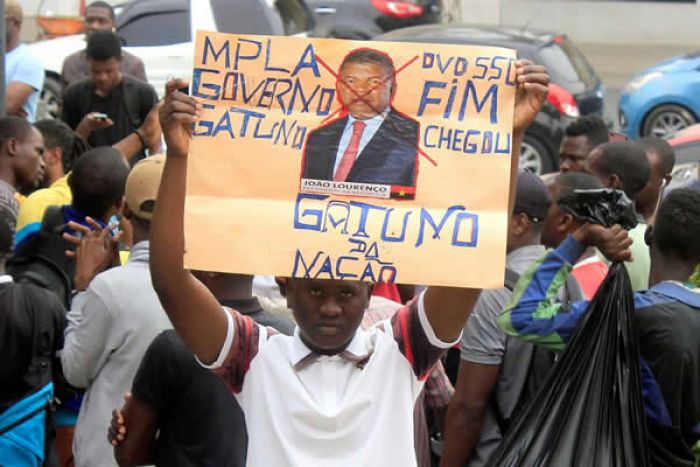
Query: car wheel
[49, 104]
[534, 156]
[667, 120]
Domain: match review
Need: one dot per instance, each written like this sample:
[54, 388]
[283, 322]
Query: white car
[161, 33]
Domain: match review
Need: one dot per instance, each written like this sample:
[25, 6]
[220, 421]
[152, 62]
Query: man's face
[573, 153]
[97, 19]
[551, 233]
[650, 193]
[105, 74]
[328, 312]
[29, 160]
[372, 89]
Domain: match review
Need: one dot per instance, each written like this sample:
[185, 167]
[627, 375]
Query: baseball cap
[13, 10]
[142, 186]
[531, 197]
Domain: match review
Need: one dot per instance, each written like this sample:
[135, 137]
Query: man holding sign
[371, 142]
[348, 394]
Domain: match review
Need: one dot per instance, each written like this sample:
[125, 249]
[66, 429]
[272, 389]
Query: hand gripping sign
[321, 158]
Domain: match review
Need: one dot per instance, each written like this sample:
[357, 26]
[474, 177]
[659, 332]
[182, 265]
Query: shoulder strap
[572, 292]
[39, 370]
[132, 100]
[53, 219]
[42, 260]
[511, 279]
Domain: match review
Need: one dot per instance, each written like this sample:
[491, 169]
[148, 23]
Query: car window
[168, 27]
[246, 17]
[276, 17]
[688, 152]
[565, 61]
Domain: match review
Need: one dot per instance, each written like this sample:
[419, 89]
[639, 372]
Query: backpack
[541, 360]
[26, 426]
[42, 259]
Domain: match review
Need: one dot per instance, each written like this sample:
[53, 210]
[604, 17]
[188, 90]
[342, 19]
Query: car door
[163, 40]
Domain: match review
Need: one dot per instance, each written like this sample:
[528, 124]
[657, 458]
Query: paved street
[617, 63]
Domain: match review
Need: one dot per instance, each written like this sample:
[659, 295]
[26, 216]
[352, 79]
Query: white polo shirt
[351, 410]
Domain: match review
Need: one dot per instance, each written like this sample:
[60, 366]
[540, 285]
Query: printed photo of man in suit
[371, 142]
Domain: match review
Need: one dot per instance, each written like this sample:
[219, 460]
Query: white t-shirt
[351, 409]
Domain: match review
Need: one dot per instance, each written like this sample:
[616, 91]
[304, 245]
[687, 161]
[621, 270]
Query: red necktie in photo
[350, 153]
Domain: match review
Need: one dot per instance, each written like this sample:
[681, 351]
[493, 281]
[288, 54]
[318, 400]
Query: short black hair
[365, 55]
[101, 4]
[569, 182]
[677, 226]
[14, 127]
[592, 127]
[663, 149]
[58, 135]
[627, 160]
[98, 180]
[103, 45]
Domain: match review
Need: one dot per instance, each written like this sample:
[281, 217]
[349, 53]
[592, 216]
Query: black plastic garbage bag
[605, 207]
[590, 411]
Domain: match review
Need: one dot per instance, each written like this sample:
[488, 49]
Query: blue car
[663, 99]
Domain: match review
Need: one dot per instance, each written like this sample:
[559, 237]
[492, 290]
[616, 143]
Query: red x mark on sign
[362, 97]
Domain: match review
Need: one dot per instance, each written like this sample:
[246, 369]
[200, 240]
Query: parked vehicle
[663, 99]
[686, 145]
[576, 88]
[161, 33]
[364, 19]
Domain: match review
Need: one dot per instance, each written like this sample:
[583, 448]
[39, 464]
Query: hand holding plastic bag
[590, 411]
[604, 207]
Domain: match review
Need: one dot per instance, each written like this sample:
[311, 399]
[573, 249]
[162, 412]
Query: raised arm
[532, 313]
[447, 308]
[194, 311]
[147, 136]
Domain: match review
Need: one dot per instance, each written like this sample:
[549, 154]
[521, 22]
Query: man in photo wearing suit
[371, 142]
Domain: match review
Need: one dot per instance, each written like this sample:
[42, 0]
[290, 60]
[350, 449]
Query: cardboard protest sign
[337, 159]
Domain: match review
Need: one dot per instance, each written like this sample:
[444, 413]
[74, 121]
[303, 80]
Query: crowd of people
[115, 353]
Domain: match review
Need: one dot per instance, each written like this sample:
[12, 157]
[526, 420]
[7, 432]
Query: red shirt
[589, 273]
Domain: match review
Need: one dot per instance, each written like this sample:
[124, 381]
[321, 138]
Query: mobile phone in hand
[99, 116]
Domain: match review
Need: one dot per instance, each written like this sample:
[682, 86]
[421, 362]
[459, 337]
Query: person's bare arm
[147, 136]
[132, 433]
[193, 310]
[447, 308]
[17, 94]
[530, 94]
[465, 414]
[129, 146]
